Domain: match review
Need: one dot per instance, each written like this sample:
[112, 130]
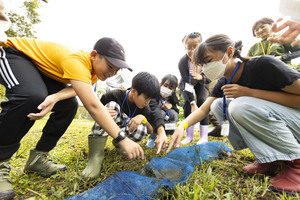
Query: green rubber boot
[95, 156]
[6, 188]
[39, 162]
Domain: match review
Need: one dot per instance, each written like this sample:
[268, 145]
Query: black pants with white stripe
[26, 87]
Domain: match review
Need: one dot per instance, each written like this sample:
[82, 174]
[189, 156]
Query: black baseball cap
[113, 51]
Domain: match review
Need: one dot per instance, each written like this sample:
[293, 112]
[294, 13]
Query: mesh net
[176, 167]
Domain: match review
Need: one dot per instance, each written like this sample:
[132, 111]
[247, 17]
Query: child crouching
[130, 110]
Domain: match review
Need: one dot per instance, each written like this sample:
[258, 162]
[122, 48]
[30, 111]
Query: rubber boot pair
[216, 129]
[6, 188]
[95, 156]
[203, 134]
[288, 179]
[39, 162]
[190, 135]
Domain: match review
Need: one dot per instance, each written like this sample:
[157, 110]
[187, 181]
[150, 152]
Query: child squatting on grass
[258, 102]
[36, 75]
[130, 110]
[165, 112]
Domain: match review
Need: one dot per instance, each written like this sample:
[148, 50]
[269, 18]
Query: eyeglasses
[190, 48]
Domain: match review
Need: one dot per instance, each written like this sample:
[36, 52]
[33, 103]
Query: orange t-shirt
[55, 60]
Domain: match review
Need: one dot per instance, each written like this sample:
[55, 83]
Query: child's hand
[112, 112]
[45, 107]
[235, 90]
[132, 149]
[196, 75]
[166, 106]
[290, 35]
[161, 142]
[135, 122]
[176, 138]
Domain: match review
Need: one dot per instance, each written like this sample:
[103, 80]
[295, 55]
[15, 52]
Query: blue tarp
[176, 167]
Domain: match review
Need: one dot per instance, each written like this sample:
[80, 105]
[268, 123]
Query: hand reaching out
[161, 142]
[45, 107]
[176, 138]
[49, 102]
[288, 36]
[132, 149]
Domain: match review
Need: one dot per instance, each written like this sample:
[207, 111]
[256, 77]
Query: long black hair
[173, 83]
[173, 80]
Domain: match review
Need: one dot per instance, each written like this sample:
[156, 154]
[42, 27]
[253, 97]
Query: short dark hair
[146, 83]
[264, 20]
[173, 80]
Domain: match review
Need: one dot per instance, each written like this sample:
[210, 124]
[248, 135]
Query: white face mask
[214, 70]
[165, 92]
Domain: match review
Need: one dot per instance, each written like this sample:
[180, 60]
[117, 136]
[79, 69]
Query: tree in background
[23, 26]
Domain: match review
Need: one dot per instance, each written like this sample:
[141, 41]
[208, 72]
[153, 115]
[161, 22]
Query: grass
[219, 179]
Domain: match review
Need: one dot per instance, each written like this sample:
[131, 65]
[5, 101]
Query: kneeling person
[130, 110]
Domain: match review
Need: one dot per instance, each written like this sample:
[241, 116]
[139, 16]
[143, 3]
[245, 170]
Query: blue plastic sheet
[176, 167]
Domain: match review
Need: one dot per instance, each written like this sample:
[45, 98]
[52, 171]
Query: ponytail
[219, 42]
[238, 50]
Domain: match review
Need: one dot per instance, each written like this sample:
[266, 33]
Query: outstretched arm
[288, 36]
[100, 114]
[193, 118]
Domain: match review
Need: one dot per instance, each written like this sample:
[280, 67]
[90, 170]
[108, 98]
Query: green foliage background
[23, 26]
[219, 179]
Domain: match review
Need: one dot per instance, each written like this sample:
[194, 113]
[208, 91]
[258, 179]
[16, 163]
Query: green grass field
[219, 179]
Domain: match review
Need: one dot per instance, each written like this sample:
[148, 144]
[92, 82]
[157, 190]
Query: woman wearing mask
[257, 112]
[164, 109]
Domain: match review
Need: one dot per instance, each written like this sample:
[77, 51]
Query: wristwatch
[121, 136]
